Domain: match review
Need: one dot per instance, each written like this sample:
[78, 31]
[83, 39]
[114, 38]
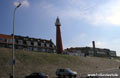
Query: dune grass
[28, 62]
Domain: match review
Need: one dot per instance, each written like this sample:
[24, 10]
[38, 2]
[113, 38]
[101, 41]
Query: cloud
[108, 13]
[92, 11]
[70, 8]
[24, 3]
[104, 14]
[15, 3]
[54, 10]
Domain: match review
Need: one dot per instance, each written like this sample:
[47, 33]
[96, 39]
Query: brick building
[27, 43]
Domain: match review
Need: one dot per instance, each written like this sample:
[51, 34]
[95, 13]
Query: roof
[5, 36]
[57, 23]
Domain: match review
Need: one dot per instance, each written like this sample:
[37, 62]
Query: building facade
[89, 51]
[27, 43]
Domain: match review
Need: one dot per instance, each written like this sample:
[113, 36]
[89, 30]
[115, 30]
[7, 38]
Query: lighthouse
[59, 46]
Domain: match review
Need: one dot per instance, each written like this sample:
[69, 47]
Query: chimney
[93, 43]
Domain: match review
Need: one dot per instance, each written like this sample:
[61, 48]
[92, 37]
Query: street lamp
[13, 53]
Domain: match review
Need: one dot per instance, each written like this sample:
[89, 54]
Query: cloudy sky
[83, 21]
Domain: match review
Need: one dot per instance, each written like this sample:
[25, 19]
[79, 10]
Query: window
[25, 38]
[10, 46]
[61, 70]
[39, 44]
[20, 47]
[43, 50]
[10, 40]
[2, 45]
[20, 42]
[28, 43]
[47, 45]
[31, 43]
[44, 41]
[53, 46]
[30, 48]
[35, 49]
[54, 51]
[50, 45]
[35, 44]
[2, 39]
[42, 44]
[24, 42]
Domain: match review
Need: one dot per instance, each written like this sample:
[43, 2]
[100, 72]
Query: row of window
[4, 40]
[29, 43]
[31, 39]
[33, 49]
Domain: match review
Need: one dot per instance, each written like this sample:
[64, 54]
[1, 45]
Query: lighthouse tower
[59, 46]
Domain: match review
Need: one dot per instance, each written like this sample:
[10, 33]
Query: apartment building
[89, 51]
[27, 43]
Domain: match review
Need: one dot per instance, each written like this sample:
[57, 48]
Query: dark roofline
[29, 38]
[89, 48]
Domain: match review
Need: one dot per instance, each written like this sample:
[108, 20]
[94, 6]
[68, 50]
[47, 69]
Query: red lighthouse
[59, 45]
